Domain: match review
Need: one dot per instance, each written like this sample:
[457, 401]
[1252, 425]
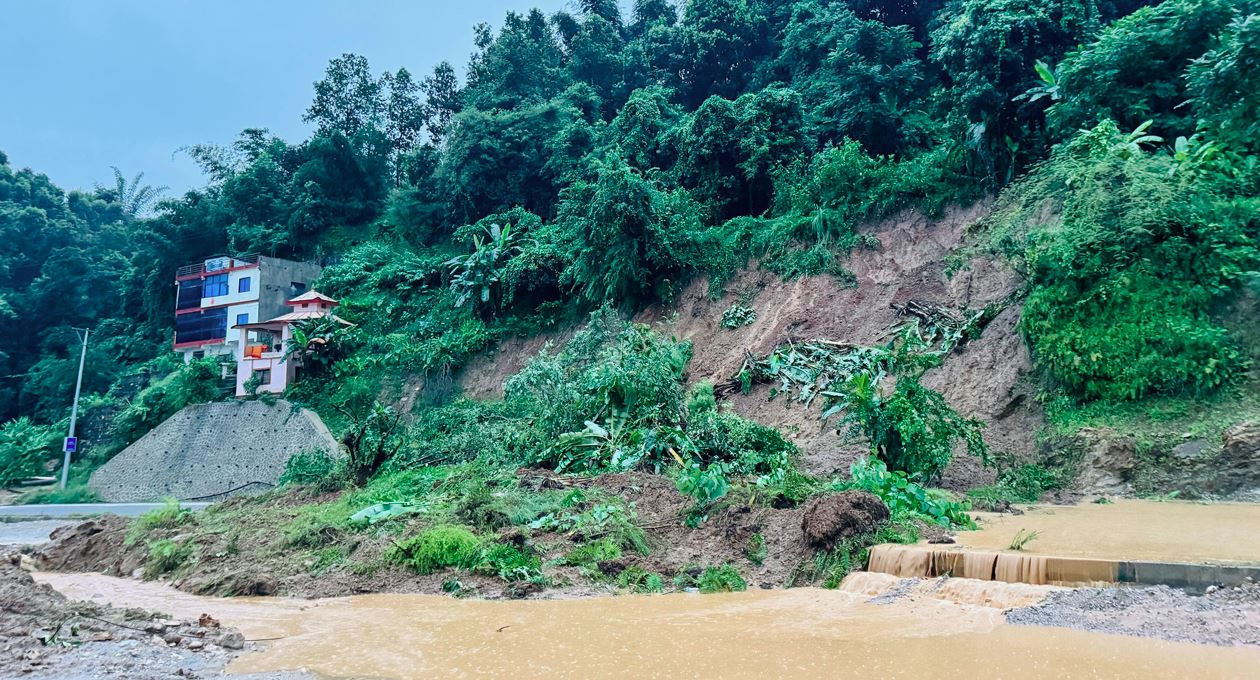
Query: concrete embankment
[1182, 545]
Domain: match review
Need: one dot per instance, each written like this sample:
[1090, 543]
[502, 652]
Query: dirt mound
[42, 634]
[92, 545]
[831, 519]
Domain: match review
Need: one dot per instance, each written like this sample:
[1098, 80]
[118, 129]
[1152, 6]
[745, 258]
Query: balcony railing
[200, 267]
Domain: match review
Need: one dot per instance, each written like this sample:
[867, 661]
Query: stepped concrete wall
[210, 451]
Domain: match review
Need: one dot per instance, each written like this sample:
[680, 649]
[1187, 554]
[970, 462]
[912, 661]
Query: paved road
[72, 510]
[31, 532]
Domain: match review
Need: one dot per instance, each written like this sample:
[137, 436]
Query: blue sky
[87, 85]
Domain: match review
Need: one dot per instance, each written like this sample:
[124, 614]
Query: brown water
[1130, 530]
[799, 633]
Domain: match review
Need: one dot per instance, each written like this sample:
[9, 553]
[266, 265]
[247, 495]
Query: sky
[89, 85]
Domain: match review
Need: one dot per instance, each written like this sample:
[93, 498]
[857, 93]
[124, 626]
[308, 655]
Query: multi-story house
[222, 292]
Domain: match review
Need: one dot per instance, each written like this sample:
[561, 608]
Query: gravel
[1225, 616]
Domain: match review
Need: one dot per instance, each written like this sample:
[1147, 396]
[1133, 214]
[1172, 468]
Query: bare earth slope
[984, 379]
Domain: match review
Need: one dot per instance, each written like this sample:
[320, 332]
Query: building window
[242, 319]
[208, 325]
[296, 288]
[263, 376]
[215, 286]
[242, 286]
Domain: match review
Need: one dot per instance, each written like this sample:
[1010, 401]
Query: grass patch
[166, 556]
[1022, 538]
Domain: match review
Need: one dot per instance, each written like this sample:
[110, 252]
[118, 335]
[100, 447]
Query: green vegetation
[1022, 538]
[592, 164]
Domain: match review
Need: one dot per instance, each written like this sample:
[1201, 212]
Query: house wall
[277, 279]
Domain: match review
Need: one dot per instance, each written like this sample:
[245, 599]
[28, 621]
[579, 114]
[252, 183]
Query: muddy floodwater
[1169, 531]
[797, 633]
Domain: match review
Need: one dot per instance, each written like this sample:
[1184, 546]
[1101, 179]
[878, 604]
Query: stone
[1237, 469]
[1191, 449]
[231, 639]
[1109, 462]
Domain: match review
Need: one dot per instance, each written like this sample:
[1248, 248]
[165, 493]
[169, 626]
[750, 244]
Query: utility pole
[71, 443]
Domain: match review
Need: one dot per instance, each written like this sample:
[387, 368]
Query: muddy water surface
[1130, 530]
[799, 633]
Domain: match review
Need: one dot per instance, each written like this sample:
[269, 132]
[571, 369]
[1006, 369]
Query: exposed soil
[44, 635]
[831, 519]
[256, 565]
[1227, 616]
[985, 379]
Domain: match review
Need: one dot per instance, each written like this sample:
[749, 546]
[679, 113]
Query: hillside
[642, 293]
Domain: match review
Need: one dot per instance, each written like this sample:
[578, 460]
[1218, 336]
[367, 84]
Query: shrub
[913, 429]
[24, 447]
[314, 466]
[166, 556]
[437, 547]
[724, 578]
[738, 315]
[639, 580]
[508, 562]
[904, 496]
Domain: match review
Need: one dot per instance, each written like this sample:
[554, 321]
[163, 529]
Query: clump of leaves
[639, 580]
[756, 550]
[902, 495]
[738, 315]
[720, 579]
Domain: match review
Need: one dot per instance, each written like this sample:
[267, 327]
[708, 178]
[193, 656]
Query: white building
[262, 346]
[222, 292]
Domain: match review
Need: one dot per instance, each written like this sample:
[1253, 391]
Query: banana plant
[474, 276]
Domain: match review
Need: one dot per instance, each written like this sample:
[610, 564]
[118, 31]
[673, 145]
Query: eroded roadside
[44, 634]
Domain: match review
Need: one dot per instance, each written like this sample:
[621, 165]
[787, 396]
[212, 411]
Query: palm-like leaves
[135, 198]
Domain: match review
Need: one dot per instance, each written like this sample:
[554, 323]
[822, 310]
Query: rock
[1238, 467]
[831, 519]
[137, 573]
[1108, 463]
[207, 621]
[231, 639]
[196, 645]
[1191, 449]
[172, 638]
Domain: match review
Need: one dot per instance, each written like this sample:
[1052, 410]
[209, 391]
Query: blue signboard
[72, 443]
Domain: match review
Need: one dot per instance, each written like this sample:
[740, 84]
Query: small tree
[374, 436]
[912, 428]
[475, 276]
[318, 343]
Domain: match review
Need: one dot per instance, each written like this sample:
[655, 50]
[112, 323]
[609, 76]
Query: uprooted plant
[910, 427]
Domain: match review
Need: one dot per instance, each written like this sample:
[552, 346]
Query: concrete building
[261, 346]
[221, 292]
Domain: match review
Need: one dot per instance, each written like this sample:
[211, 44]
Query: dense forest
[595, 159]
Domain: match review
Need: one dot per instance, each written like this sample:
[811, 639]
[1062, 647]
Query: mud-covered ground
[44, 635]
[1226, 616]
[229, 560]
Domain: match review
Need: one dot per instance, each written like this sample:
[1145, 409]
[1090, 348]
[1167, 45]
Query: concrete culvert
[832, 519]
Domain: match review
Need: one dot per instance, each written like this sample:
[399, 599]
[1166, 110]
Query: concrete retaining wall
[208, 451]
